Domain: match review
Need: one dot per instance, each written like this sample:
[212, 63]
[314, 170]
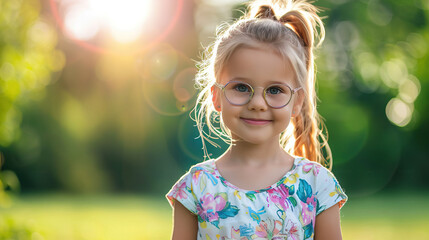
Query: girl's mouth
[252, 121]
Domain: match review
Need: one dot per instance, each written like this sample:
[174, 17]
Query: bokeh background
[95, 98]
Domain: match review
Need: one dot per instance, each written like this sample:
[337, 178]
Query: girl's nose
[257, 103]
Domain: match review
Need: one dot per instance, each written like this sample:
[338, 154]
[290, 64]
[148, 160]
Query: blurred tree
[27, 59]
[28, 56]
[372, 70]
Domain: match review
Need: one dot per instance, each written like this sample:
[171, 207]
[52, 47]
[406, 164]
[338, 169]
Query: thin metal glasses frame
[293, 91]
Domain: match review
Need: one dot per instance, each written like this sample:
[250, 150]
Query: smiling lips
[254, 121]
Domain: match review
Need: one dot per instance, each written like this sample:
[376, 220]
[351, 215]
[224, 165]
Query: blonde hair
[292, 34]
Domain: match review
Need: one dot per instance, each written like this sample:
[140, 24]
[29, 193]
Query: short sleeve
[328, 191]
[182, 191]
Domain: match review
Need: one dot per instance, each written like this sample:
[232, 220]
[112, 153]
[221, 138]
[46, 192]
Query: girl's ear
[215, 98]
[297, 104]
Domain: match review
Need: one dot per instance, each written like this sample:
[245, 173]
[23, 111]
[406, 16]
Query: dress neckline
[279, 182]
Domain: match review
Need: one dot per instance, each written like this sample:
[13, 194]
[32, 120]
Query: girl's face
[256, 122]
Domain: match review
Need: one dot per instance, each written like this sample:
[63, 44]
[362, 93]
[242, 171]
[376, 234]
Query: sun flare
[124, 19]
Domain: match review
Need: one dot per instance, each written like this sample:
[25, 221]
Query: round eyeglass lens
[238, 93]
[278, 95]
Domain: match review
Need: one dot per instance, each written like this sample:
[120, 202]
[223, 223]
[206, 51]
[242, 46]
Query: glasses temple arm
[296, 90]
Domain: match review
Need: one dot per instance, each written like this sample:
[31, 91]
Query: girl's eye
[242, 87]
[275, 90]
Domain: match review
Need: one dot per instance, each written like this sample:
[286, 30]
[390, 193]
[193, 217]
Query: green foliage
[371, 80]
[11, 230]
[27, 58]
[9, 183]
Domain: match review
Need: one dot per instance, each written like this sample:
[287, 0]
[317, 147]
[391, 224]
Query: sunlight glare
[124, 18]
[81, 22]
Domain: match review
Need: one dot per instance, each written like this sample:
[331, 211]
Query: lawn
[65, 217]
[52, 217]
[388, 216]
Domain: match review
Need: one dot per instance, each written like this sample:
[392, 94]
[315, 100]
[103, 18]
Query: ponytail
[301, 17]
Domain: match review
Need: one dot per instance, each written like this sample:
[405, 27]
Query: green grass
[388, 216]
[64, 217]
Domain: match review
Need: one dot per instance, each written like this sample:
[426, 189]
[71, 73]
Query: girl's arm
[328, 224]
[185, 223]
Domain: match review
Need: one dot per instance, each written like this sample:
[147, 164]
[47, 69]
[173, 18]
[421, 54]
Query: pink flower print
[279, 196]
[269, 230]
[316, 170]
[292, 231]
[308, 210]
[307, 167]
[196, 176]
[311, 166]
[180, 191]
[209, 206]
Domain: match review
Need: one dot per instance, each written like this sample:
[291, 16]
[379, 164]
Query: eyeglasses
[240, 93]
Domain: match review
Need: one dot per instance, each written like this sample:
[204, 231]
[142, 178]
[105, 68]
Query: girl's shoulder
[302, 161]
[310, 169]
[312, 178]
[206, 166]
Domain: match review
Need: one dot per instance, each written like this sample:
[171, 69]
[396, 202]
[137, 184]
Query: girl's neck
[245, 153]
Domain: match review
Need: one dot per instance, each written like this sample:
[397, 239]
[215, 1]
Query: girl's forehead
[254, 65]
[261, 55]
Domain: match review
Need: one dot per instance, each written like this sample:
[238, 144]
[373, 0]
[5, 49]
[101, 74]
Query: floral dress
[285, 210]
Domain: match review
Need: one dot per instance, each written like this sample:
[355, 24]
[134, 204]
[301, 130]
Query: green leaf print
[293, 201]
[228, 211]
[250, 196]
[304, 190]
[291, 190]
[222, 194]
[216, 223]
[203, 184]
[308, 230]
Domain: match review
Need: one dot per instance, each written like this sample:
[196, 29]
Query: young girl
[270, 182]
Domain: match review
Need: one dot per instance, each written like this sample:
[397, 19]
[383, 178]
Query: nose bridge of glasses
[257, 96]
[255, 92]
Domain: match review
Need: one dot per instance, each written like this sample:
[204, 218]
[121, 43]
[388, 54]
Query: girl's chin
[263, 140]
